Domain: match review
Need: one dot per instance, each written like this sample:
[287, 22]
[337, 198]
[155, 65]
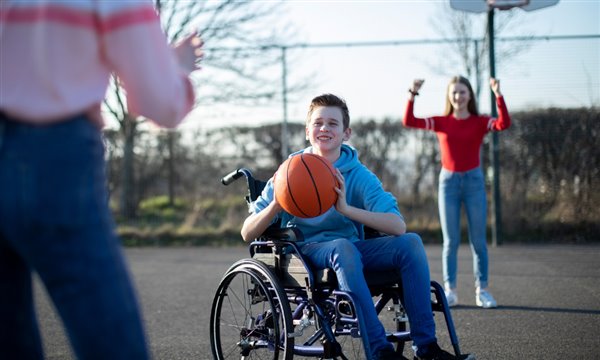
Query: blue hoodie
[363, 190]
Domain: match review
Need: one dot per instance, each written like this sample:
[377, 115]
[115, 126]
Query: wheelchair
[273, 306]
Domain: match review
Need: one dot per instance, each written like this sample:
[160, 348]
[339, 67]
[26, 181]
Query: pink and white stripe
[429, 124]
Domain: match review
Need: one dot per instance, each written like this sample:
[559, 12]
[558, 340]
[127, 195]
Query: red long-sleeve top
[460, 139]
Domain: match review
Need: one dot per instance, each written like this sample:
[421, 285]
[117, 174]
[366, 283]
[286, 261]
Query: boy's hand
[341, 205]
[275, 205]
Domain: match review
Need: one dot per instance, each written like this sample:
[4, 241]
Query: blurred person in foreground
[460, 133]
[56, 59]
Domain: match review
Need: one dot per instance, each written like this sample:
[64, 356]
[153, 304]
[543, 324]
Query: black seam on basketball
[327, 166]
[313, 182]
[291, 192]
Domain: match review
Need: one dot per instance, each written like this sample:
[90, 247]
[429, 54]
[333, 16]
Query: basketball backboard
[538, 4]
[480, 6]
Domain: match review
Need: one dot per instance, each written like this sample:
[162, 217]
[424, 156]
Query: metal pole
[284, 130]
[496, 210]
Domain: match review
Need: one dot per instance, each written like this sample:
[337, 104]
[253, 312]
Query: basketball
[305, 185]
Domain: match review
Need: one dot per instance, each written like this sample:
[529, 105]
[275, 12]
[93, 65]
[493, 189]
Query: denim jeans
[455, 189]
[55, 221]
[405, 259]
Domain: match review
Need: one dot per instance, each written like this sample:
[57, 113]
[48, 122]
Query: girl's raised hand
[416, 85]
[495, 85]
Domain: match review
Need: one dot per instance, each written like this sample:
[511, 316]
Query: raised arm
[502, 122]
[409, 119]
[154, 75]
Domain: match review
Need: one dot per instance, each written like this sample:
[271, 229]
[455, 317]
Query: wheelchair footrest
[399, 336]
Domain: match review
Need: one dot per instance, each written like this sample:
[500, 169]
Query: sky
[374, 80]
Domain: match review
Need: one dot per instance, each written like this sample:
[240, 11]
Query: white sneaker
[451, 297]
[485, 299]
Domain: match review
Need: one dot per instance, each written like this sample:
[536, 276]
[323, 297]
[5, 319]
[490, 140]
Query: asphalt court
[548, 296]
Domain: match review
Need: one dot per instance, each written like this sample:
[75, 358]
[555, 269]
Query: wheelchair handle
[234, 175]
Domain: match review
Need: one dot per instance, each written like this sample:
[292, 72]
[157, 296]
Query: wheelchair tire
[250, 316]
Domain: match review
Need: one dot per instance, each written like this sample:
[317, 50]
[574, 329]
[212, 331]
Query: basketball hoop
[506, 4]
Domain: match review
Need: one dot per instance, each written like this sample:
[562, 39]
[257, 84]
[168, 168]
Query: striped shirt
[56, 58]
[460, 139]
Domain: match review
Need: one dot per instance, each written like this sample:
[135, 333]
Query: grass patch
[217, 222]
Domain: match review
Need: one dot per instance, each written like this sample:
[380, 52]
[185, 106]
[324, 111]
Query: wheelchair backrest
[255, 187]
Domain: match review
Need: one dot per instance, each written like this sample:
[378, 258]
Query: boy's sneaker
[451, 297]
[485, 299]
[433, 352]
[389, 354]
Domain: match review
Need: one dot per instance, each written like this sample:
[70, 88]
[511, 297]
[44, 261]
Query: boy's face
[325, 129]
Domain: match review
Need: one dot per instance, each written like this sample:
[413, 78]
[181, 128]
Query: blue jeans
[405, 259]
[455, 189]
[55, 221]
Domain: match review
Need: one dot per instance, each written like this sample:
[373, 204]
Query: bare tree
[466, 49]
[552, 166]
[242, 62]
[426, 160]
[380, 145]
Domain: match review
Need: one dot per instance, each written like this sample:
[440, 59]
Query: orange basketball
[304, 185]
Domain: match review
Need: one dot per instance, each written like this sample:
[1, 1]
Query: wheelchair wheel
[250, 315]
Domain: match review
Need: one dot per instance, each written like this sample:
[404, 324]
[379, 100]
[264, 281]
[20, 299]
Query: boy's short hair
[330, 100]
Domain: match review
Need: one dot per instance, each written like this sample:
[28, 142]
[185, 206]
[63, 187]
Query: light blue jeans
[456, 189]
[405, 259]
[55, 221]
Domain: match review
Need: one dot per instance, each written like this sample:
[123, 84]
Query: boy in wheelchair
[336, 239]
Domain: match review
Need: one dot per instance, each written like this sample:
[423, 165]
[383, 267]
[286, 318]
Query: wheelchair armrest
[282, 234]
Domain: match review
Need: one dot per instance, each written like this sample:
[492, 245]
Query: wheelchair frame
[282, 298]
